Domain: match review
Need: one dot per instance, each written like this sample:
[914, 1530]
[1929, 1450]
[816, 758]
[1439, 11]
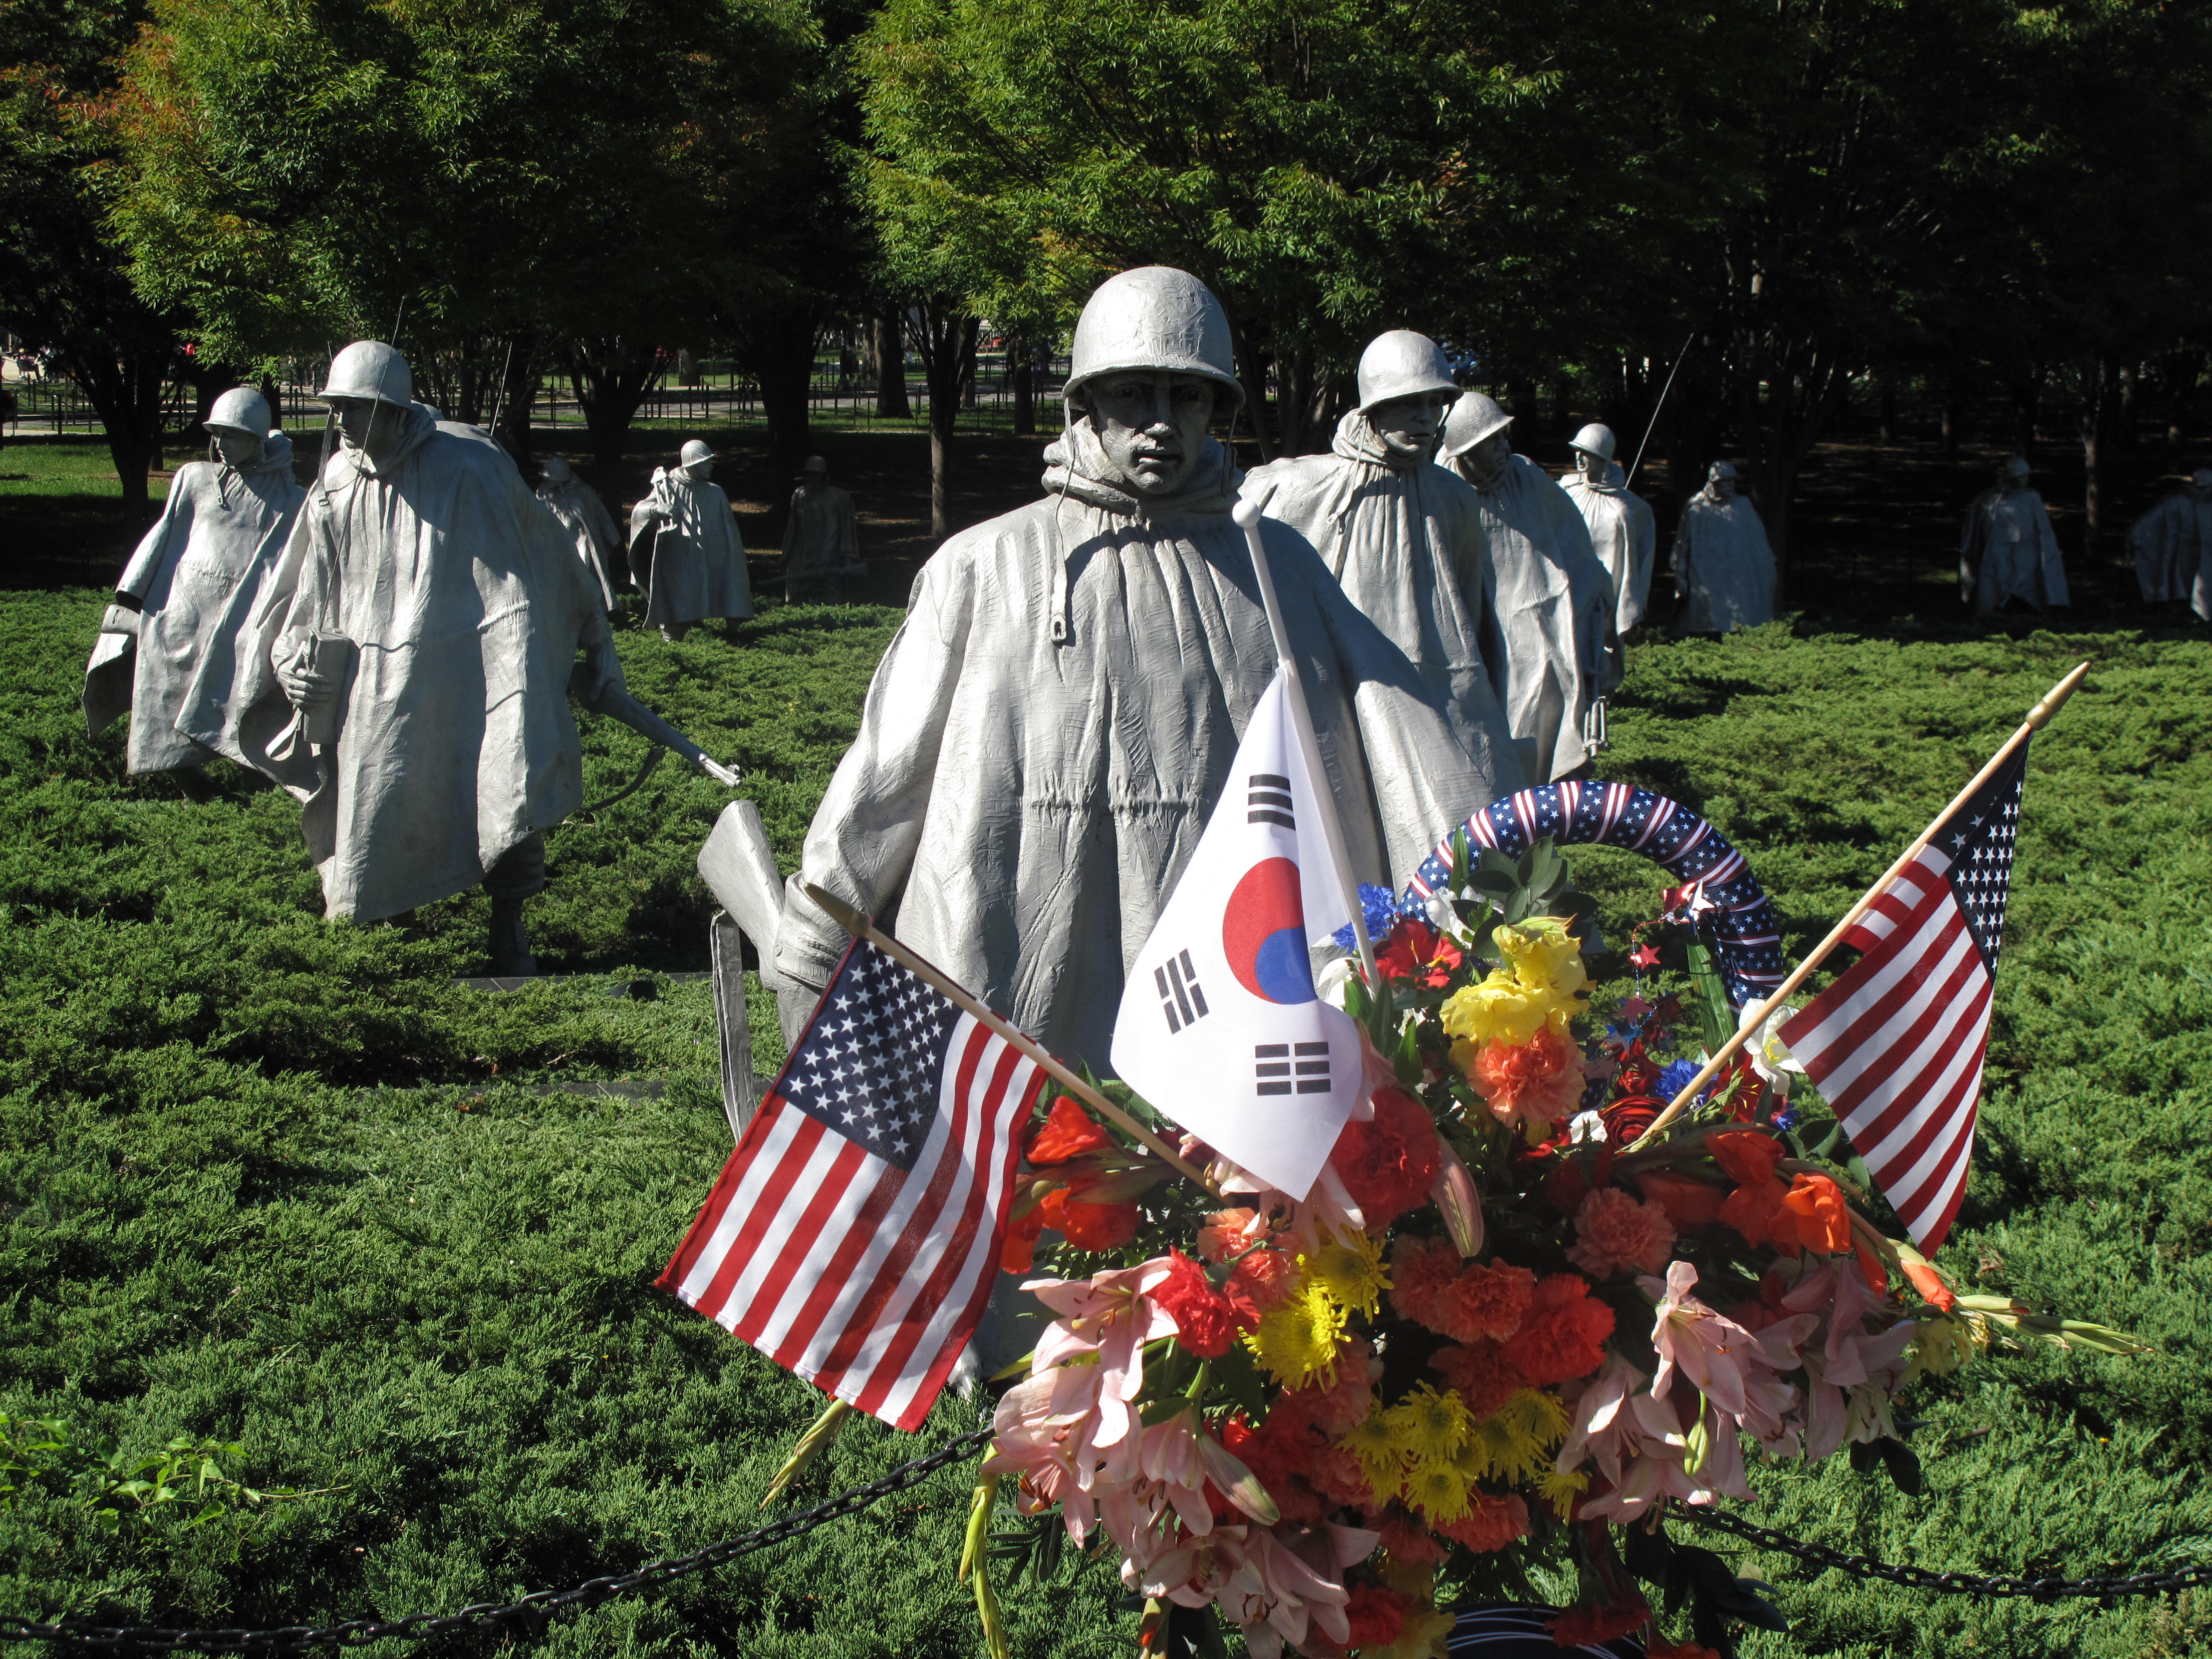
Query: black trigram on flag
[1275, 1068]
[1270, 800]
[1180, 997]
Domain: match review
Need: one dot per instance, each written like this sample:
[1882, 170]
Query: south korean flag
[1220, 1026]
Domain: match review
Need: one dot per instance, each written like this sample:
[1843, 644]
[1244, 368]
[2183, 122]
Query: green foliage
[275, 1182]
[125, 1494]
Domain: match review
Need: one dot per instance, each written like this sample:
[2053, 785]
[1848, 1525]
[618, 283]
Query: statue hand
[304, 688]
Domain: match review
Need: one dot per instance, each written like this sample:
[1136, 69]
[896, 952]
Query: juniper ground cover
[275, 1182]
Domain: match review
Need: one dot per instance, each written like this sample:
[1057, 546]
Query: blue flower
[1785, 1120]
[1676, 1074]
[1379, 906]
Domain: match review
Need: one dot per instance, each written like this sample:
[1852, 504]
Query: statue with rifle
[426, 630]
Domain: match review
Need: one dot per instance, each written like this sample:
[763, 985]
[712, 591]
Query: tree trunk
[125, 390]
[2026, 402]
[1887, 417]
[970, 370]
[611, 380]
[1256, 392]
[2182, 371]
[1951, 427]
[1021, 377]
[2099, 404]
[782, 363]
[888, 344]
[516, 396]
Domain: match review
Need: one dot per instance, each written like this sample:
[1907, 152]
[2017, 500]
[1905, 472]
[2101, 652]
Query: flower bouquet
[1508, 1325]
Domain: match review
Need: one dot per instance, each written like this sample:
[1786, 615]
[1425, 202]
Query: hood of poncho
[1076, 464]
[1357, 440]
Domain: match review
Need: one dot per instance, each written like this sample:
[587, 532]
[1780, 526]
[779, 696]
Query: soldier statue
[2008, 550]
[1724, 567]
[684, 548]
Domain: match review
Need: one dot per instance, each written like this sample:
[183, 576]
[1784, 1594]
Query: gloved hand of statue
[304, 687]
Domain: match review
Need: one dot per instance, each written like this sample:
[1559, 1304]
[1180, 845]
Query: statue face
[1408, 426]
[1590, 466]
[366, 422]
[1486, 462]
[237, 448]
[1151, 426]
[1723, 487]
[699, 472]
[2011, 483]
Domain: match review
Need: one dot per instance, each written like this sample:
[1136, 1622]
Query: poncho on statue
[1554, 606]
[1408, 549]
[467, 606]
[590, 528]
[697, 566]
[1052, 725]
[1624, 535]
[2010, 552]
[1724, 567]
[822, 536]
[2173, 545]
[200, 575]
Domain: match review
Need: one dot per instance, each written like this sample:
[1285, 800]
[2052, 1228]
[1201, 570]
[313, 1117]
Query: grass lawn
[273, 1181]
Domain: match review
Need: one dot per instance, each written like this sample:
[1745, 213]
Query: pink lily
[1711, 1349]
[1182, 1457]
[1110, 1316]
[1282, 1580]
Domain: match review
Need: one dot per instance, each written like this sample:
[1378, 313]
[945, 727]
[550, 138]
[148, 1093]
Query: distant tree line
[1795, 199]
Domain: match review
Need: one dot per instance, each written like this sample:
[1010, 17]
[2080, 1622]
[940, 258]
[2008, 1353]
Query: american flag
[1896, 1045]
[853, 1236]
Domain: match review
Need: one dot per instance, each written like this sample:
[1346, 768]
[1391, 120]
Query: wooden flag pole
[1247, 515]
[2037, 717]
[859, 927]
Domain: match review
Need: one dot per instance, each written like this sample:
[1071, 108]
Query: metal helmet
[557, 470]
[1154, 318]
[1594, 439]
[2202, 479]
[1402, 364]
[816, 466]
[1471, 420]
[1718, 471]
[2015, 466]
[695, 450]
[370, 368]
[241, 408]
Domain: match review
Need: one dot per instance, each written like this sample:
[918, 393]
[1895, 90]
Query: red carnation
[1390, 1162]
[1207, 1322]
[1406, 1538]
[1595, 1626]
[1264, 1278]
[1421, 1272]
[1490, 1301]
[1481, 1374]
[1376, 1615]
[1564, 1336]
[1491, 1524]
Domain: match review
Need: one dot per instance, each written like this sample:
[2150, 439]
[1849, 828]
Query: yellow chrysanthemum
[1420, 1637]
[1560, 1490]
[1438, 1489]
[1427, 1427]
[1351, 1268]
[1516, 1443]
[1380, 1460]
[1297, 1339]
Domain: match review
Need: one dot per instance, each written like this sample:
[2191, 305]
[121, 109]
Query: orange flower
[1067, 1133]
[1823, 1223]
[1539, 1081]
[1688, 1203]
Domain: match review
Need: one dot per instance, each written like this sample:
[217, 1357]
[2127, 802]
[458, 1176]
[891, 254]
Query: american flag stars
[871, 1065]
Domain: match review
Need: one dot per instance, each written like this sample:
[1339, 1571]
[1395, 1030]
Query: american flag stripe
[1896, 1045]
[854, 1233]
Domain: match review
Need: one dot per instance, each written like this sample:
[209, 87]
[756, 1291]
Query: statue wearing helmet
[2173, 545]
[821, 536]
[1724, 567]
[1399, 532]
[591, 531]
[2009, 550]
[179, 649]
[1553, 600]
[426, 637]
[694, 566]
[1047, 736]
[1622, 532]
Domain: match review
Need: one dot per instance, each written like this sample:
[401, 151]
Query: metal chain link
[542, 1604]
[536, 1606]
[1950, 1584]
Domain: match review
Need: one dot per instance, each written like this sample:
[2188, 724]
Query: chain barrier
[533, 1608]
[542, 1605]
[1949, 1584]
